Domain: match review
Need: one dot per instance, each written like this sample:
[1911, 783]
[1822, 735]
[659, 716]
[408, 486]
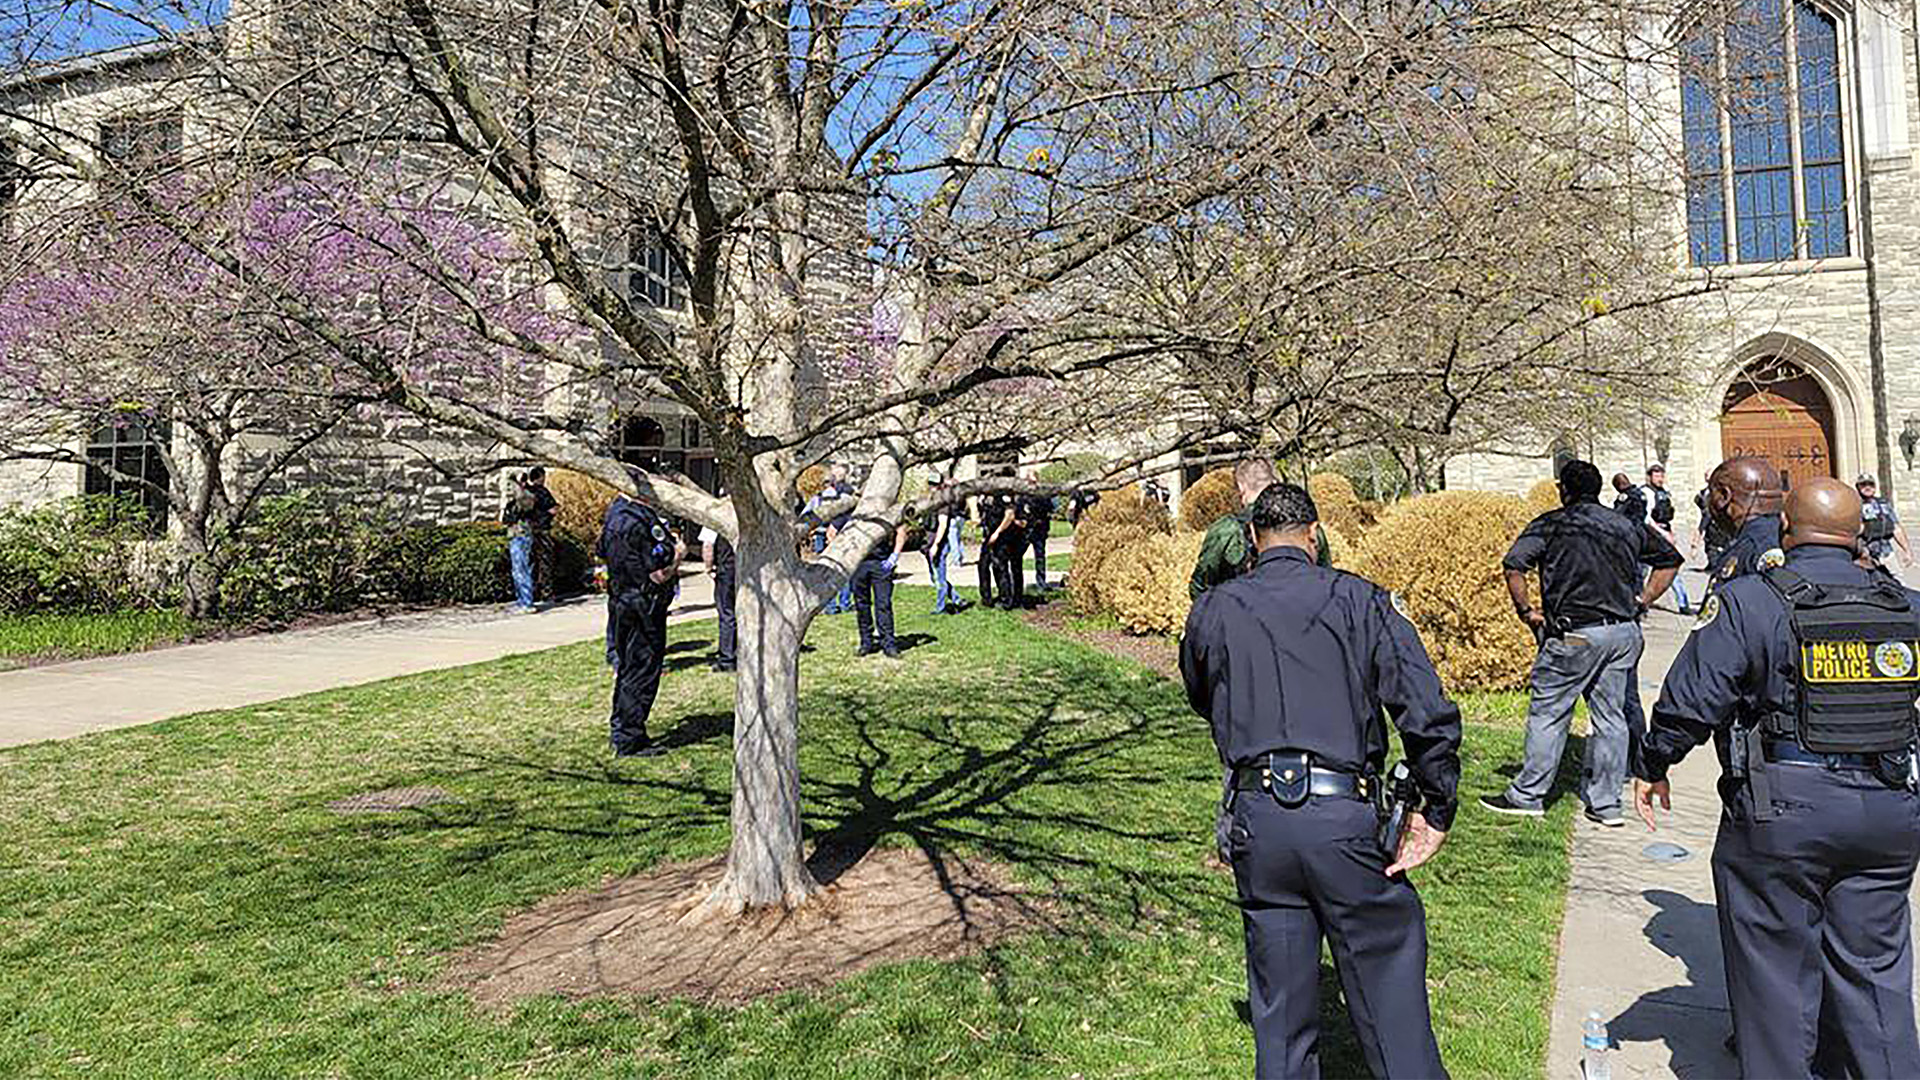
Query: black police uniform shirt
[1589, 559]
[1295, 656]
[992, 509]
[628, 545]
[1738, 662]
[1755, 547]
[1659, 505]
[1631, 504]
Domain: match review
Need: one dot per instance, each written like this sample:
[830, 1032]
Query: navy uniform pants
[1008, 577]
[1815, 925]
[638, 621]
[873, 602]
[1316, 871]
[725, 582]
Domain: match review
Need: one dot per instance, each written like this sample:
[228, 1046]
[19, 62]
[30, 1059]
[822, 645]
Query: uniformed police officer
[1804, 676]
[641, 556]
[1296, 667]
[1005, 545]
[993, 509]
[1880, 525]
[1743, 495]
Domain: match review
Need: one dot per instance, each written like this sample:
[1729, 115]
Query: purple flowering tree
[115, 319]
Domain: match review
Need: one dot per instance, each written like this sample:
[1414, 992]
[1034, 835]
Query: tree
[911, 231]
[114, 320]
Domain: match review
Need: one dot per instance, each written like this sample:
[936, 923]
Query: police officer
[993, 509]
[1804, 675]
[1743, 495]
[1297, 667]
[1880, 525]
[717, 552]
[1005, 543]
[641, 557]
[872, 585]
[1588, 629]
[1660, 514]
[1037, 510]
[1629, 500]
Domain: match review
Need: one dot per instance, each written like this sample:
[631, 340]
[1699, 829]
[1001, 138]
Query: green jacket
[1225, 553]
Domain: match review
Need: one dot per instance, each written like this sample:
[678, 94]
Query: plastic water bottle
[1594, 1039]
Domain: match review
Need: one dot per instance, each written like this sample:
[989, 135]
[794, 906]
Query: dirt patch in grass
[626, 938]
[1162, 654]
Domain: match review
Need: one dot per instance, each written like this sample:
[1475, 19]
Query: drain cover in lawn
[389, 800]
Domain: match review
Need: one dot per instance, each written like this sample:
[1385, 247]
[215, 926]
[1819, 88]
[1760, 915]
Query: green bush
[470, 567]
[299, 554]
[88, 553]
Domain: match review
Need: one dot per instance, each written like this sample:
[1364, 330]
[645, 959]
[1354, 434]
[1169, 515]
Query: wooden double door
[1782, 415]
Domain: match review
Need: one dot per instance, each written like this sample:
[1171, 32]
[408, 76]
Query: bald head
[1742, 489]
[1822, 511]
[1251, 477]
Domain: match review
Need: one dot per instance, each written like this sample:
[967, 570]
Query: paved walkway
[58, 701]
[1641, 944]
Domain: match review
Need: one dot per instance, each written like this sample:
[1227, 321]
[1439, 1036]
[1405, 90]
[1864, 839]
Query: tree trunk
[204, 577]
[766, 865]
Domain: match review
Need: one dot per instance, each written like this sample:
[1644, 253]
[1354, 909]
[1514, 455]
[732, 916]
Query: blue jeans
[1040, 556]
[956, 541]
[520, 555]
[1599, 663]
[942, 588]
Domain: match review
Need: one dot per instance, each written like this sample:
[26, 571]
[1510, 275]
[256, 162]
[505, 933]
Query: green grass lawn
[175, 901]
[67, 637]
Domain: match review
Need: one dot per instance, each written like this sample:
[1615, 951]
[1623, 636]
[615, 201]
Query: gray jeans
[1599, 662]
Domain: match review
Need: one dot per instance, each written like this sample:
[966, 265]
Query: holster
[1749, 750]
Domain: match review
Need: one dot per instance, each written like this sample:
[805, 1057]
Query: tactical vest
[1856, 675]
[1879, 527]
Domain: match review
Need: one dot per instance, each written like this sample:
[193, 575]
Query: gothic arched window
[1764, 145]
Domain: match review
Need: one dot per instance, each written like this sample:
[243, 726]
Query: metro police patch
[1709, 611]
[1771, 558]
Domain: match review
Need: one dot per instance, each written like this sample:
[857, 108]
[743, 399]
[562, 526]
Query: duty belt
[1291, 777]
[1788, 752]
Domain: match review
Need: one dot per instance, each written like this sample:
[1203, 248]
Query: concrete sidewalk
[57, 701]
[1641, 942]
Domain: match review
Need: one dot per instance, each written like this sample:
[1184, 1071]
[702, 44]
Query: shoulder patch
[1400, 605]
[1771, 558]
[1709, 611]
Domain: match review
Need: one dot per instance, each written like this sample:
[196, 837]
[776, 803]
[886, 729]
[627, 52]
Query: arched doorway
[1776, 410]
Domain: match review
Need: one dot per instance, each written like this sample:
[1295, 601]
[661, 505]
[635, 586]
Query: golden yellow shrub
[583, 503]
[1340, 509]
[812, 479]
[1123, 506]
[1096, 552]
[1441, 553]
[1543, 496]
[1339, 549]
[1209, 499]
[1146, 588]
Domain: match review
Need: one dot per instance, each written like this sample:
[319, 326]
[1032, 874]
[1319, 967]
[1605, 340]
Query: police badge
[1709, 611]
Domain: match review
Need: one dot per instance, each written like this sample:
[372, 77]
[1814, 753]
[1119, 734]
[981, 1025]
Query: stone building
[1797, 121]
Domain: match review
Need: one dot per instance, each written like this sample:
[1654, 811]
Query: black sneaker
[865, 650]
[1500, 804]
[650, 749]
[892, 652]
[723, 665]
[1610, 820]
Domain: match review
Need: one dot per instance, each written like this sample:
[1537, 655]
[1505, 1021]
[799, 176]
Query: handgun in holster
[1401, 800]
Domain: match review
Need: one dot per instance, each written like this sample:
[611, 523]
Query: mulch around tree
[1162, 654]
[627, 938]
